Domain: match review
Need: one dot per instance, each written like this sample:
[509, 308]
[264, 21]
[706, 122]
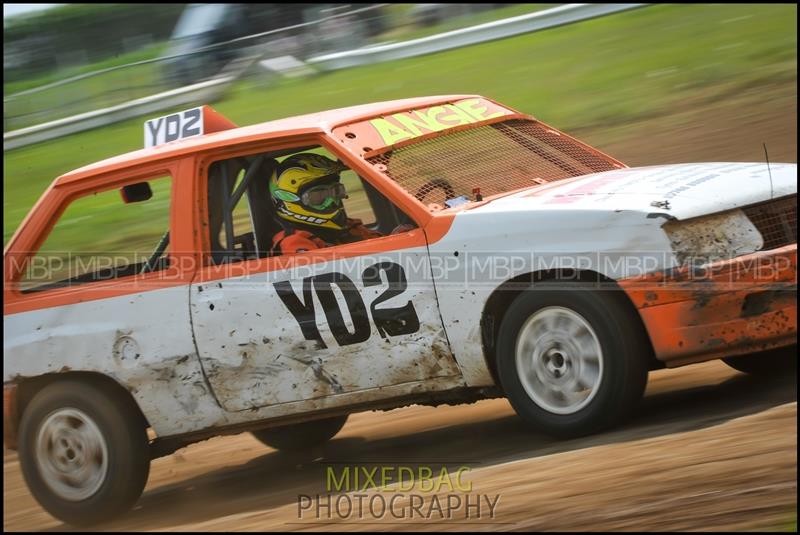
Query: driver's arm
[358, 230]
[298, 242]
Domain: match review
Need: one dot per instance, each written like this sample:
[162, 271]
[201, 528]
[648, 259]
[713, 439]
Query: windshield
[494, 158]
[199, 18]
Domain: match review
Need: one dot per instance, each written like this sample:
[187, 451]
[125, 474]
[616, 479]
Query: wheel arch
[28, 388]
[498, 302]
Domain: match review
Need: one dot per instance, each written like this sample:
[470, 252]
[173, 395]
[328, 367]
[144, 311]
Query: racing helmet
[306, 190]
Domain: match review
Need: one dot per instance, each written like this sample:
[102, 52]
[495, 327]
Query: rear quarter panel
[142, 340]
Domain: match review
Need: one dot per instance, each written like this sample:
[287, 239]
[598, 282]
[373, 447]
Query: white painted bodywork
[692, 190]
[255, 354]
[603, 222]
[145, 343]
[149, 342]
[142, 341]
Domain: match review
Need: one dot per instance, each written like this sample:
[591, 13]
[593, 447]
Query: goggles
[324, 196]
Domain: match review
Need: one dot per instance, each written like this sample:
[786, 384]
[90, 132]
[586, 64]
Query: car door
[349, 320]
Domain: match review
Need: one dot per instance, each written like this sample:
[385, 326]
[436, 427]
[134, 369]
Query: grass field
[87, 94]
[656, 61]
[405, 29]
[149, 52]
[116, 87]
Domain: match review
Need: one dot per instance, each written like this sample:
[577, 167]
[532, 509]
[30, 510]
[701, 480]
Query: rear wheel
[83, 451]
[572, 362]
[296, 437]
[772, 362]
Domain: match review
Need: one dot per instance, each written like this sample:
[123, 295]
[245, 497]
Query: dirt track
[710, 449]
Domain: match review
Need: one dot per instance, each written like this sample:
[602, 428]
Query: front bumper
[727, 308]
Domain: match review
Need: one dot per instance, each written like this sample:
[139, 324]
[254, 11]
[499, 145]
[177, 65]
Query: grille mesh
[776, 220]
[495, 158]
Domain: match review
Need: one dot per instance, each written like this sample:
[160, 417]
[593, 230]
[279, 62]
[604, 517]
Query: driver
[307, 194]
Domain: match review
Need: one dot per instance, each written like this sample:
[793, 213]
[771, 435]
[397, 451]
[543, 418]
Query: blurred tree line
[76, 34]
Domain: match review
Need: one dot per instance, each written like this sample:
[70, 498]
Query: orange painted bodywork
[214, 121]
[732, 307]
[186, 162]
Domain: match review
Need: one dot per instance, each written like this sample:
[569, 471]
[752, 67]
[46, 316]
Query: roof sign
[184, 124]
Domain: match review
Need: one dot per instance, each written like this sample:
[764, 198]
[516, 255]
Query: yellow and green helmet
[306, 191]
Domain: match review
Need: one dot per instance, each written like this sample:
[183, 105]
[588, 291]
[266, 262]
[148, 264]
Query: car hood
[681, 191]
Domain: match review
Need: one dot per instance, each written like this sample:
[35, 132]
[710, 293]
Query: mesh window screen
[776, 220]
[495, 158]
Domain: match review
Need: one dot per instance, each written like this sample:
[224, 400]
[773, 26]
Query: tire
[770, 363]
[59, 427]
[560, 330]
[298, 437]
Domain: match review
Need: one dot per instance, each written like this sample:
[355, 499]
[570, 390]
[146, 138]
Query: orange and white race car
[501, 258]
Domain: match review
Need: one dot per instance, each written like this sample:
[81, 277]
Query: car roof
[320, 122]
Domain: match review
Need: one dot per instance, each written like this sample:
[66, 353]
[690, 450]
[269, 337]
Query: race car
[146, 307]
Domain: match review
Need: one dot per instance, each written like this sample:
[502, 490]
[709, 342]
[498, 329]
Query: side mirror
[136, 192]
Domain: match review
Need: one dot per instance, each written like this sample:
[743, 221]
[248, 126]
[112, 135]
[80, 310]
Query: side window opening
[242, 215]
[103, 236]
[391, 216]
[239, 209]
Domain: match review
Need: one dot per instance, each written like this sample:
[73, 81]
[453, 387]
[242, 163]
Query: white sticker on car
[181, 125]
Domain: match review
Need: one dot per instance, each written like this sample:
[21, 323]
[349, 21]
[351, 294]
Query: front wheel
[572, 362]
[296, 437]
[84, 452]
